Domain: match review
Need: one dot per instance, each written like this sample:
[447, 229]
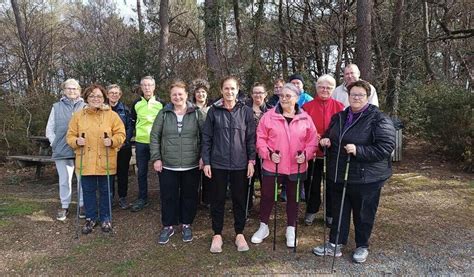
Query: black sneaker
[165, 235]
[187, 233]
[139, 204]
[89, 226]
[106, 226]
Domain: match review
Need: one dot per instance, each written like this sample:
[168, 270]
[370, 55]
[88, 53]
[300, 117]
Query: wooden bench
[32, 160]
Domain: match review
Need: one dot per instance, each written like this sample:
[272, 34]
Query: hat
[296, 77]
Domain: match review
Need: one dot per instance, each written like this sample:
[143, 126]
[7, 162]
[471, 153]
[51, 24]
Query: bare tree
[363, 54]
[211, 31]
[426, 47]
[164, 36]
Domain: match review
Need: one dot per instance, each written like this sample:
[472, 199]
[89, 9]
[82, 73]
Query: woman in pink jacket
[282, 133]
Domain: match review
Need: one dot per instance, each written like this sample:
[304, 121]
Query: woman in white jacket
[63, 155]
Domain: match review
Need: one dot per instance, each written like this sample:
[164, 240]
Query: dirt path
[424, 227]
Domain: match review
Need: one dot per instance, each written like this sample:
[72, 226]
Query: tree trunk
[141, 27]
[379, 74]
[426, 47]
[26, 58]
[164, 37]
[211, 32]
[237, 23]
[395, 59]
[363, 53]
[283, 40]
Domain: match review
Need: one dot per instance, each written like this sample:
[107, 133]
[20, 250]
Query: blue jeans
[90, 184]
[142, 156]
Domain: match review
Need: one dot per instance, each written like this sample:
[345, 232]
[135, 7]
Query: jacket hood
[104, 107]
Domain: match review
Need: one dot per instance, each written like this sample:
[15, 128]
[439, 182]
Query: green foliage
[442, 114]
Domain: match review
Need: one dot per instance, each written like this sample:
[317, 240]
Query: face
[71, 91]
[114, 95]
[229, 90]
[298, 84]
[358, 98]
[288, 99]
[351, 74]
[258, 95]
[148, 87]
[324, 90]
[95, 99]
[277, 88]
[178, 96]
[200, 95]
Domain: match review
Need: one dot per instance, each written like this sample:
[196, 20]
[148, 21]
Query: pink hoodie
[273, 133]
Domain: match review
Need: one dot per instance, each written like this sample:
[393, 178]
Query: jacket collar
[89, 109]
[190, 107]
[279, 109]
[219, 104]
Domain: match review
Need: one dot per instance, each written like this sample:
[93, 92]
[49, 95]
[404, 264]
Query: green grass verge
[16, 207]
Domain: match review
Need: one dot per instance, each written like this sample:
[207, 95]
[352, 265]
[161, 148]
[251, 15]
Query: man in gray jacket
[352, 74]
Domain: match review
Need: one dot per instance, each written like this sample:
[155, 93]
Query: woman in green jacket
[175, 152]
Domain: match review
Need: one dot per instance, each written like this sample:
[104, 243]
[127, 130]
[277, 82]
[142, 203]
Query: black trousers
[179, 196]
[238, 189]
[257, 175]
[205, 188]
[313, 198]
[123, 165]
[362, 201]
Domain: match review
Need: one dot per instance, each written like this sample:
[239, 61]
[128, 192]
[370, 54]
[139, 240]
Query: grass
[10, 207]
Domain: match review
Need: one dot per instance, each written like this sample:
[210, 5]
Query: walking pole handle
[83, 135]
[105, 135]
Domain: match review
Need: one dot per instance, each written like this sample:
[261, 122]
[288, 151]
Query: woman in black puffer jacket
[368, 135]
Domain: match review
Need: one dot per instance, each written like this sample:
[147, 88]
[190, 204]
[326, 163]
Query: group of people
[230, 143]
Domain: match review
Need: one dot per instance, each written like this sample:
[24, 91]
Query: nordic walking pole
[311, 180]
[346, 173]
[79, 189]
[248, 198]
[324, 200]
[108, 180]
[297, 201]
[276, 202]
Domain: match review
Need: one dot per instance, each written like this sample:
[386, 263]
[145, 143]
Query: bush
[442, 114]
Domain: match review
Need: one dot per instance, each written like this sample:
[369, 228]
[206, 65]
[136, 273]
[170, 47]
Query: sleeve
[312, 139]
[250, 135]
[118, 131]
[155, 137]
[200, 119]
[207, 137]
[50, 127]
[133, 112]
[262, 138]
[73, 130]
[383, 141]
[373, 98]
[129, 125]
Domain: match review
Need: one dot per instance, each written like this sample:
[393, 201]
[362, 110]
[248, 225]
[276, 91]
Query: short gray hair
[326, 78]
[148, 78]
[70, 82]
[292, 88]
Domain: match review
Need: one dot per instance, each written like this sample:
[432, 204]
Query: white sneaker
[290, 237]
[261, 233]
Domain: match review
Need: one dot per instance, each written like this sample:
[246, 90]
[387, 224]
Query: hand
[300, 158]
[201, 164]
[107, 142]
[81, 141]
[207, 171]
[158, 165]
[250, 170]
[351, 149]
[275, 158]
[325, 142]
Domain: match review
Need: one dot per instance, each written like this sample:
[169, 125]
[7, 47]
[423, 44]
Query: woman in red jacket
[282, 133]
[321, 109]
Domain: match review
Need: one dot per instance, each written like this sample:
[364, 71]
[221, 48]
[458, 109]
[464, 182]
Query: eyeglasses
[358, 96]
[287, 96]
[70, 88]
[325, 88]
[113, 92]
[258, 92]
[95, 97]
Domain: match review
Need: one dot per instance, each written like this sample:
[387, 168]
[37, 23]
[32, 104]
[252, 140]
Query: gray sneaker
[309, 218]
[139, 204]
[319, 250]
[187, 233]
[123, 203]
[165, 235]
[360, 254]
[62, 214]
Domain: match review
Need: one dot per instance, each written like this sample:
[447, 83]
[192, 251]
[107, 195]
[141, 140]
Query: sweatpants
[238, 188]
[313, 197]
[65, 170]
[123, 165]
[267, 199]
[362, 201]
[179, 196]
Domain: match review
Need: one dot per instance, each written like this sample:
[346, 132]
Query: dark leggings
[268, 198]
